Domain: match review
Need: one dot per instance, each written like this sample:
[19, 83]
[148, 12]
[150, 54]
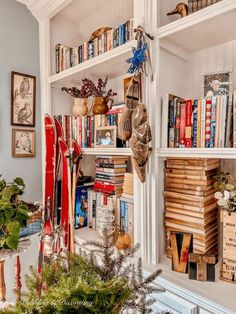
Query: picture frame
[217, 83]
[105, 137]
[23, 143]
[23, 96]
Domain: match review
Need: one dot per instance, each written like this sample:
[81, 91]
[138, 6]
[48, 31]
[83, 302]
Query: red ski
[59, 134]
[50, 160]
[49, 188]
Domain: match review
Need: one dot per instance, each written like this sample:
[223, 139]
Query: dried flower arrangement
[226, 191]
[88, 89]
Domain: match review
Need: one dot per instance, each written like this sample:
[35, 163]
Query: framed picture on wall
[23, 143]
[23, 89]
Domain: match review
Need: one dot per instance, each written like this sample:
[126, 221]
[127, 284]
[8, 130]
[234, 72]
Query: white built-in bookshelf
[182, 51]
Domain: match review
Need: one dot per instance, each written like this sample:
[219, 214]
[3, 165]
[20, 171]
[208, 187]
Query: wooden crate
[228, 266]
[228, 270]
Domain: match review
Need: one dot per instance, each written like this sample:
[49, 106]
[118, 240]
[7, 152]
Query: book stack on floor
[125, 207]
[201, 123]
[190, 205]
[196, 5]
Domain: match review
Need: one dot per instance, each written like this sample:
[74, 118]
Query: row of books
[125, 206]
[205, 122]
[67, 57]
[82, 128]
[110, 171]
[196, 5]
[190, 205]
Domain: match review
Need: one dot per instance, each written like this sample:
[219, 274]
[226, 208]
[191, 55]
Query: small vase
[100, 106]
[80, 107]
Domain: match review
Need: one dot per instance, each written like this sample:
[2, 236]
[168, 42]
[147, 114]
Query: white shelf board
[203, 29]
[86, 234]
[205, 293]
[107, 151]
[223, 153]
[112, 63]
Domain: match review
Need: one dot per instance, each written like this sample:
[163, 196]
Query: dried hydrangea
[226, 191]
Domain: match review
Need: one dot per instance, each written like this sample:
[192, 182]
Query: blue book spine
[112, 119]
[123, 34]
[120, 35]
[122, 215]
[194, 130]
[213, 121]
[126, 216]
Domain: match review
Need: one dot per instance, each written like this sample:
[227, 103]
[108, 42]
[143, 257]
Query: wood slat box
[228, 266]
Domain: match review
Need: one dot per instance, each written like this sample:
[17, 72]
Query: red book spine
[182, 124]
[208, 123]
[90, 132]
[189, 123]
[80, 130]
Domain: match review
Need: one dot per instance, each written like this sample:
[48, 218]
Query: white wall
[19, 40]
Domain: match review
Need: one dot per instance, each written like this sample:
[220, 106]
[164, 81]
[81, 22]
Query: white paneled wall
[218, 58]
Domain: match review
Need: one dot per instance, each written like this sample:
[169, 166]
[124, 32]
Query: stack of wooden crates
[190, 206]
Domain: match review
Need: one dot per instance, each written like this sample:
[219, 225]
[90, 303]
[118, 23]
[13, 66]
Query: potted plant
[13, 213]
[84, 284]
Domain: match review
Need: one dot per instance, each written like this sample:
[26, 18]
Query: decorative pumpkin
[123, 241]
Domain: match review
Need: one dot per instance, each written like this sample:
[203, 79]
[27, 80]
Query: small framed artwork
[23, 143]
[217, 83]
[23, 89]
[105, 136]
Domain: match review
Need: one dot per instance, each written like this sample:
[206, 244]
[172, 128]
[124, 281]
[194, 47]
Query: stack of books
[82, 128]
[125, 206]
[196, 5]
[201, 123]
[190, 205]
[110, 171]
[67, 57]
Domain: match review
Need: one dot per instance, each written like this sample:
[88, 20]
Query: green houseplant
[13, 213]
[85, 283]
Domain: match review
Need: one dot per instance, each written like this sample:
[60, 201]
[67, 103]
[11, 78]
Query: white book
[234, 119]
[229, 122]
[222, 125]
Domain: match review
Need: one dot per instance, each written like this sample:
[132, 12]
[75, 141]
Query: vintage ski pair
[58, 153]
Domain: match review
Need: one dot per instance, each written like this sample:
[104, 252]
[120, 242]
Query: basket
[34, 224]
